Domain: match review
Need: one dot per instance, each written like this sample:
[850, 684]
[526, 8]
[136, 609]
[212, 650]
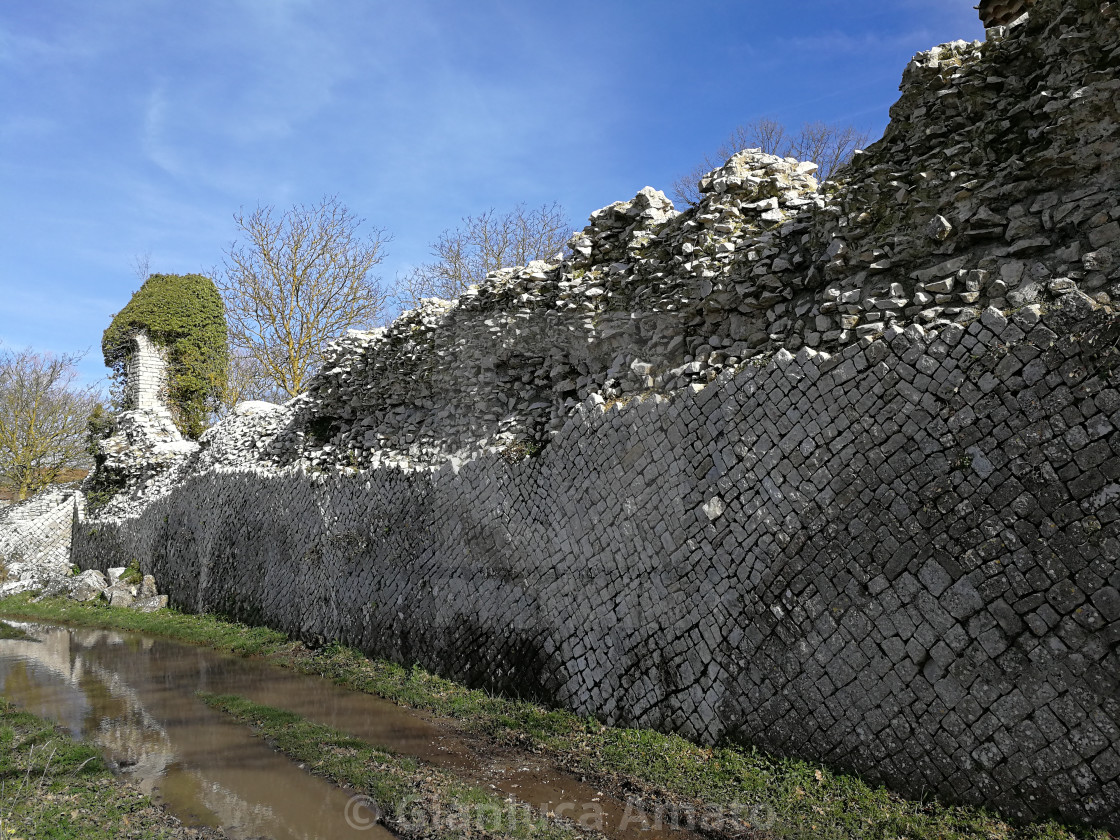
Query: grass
[414, 800]
[196, 629]
[794, 798]
[132, 574]
[7, 631]
[53, 787]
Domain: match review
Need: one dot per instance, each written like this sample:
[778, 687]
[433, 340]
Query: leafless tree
[828, 146]
[43, 419]
[246, 380]
[299, 279]
[142, 266]
[481, 244]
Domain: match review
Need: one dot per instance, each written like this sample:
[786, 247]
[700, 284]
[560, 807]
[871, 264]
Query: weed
[397, 784]
[52, 786]
[132, 574]
[519, 450]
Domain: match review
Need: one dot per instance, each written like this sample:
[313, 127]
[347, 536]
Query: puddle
[135, 697]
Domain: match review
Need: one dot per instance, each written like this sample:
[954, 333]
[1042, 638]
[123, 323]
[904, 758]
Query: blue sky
[139, 126]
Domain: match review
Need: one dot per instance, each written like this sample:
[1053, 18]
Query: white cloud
[153, 137]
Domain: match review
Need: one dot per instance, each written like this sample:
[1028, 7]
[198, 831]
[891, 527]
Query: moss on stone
[184, 314]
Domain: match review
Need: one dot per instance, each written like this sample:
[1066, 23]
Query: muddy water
[136, 698]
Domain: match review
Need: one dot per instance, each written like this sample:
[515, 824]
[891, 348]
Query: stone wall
[844, 559]
[35, 539]
[831, 469]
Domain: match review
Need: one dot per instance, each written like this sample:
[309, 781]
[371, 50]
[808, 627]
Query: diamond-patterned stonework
[832, 469]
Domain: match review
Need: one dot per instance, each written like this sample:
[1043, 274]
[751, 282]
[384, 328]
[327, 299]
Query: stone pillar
[146, 376]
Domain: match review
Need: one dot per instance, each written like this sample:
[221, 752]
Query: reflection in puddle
[135, 697]
[136, 700]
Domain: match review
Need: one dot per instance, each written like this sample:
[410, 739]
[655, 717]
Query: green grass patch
[53, 787]
[132, 574]
[7, 631]
[798, 798]
[196, 629]
[414, 801]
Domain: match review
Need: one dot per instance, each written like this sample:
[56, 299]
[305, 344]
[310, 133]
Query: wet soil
[135, 697]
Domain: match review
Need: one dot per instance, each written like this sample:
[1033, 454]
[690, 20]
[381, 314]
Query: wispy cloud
[153, 136]
[850, 43]
[25, 50]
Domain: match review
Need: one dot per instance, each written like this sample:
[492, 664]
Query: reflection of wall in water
[56, 678]
[30, 673]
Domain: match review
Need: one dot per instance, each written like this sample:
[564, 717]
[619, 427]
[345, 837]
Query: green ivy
[185, 314]
[99, 427]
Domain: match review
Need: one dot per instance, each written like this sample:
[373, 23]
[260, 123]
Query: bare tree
[142, 266]
[766, 134]
[43, 419]
[246, 380]
[484, 243]
[828, 146]
[300, 279]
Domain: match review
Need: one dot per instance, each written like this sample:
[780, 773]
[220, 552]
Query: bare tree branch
[246, 379]
[828, 146]
[43, 419]
[142, 266]
[301, 278]
[482, 244]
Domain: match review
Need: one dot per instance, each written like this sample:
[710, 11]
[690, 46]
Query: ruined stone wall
[846, 559]
[994, 185]
[831, 469]
[35, 539]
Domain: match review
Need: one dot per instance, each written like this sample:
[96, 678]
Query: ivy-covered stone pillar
[169, 345]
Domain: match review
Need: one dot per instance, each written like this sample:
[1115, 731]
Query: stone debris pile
[118, 587]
